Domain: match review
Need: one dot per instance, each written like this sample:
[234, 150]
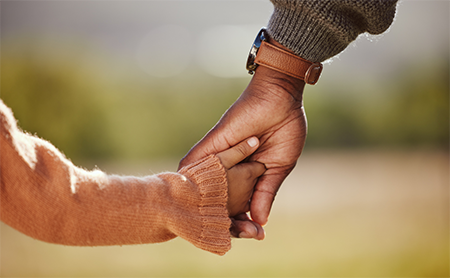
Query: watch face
[251, 66]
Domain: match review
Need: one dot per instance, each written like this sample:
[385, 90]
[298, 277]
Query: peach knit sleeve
[45, 196]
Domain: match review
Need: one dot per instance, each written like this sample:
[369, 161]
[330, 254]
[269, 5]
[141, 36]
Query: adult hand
[271, 108]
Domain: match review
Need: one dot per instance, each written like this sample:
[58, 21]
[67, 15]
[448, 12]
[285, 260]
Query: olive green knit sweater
[318, 30]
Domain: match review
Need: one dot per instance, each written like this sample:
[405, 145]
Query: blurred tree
[89, 116]
[92, 114]
[58, 102]
[419, 115]
[411, 111]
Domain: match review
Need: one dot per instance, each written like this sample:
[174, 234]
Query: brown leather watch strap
[283, 61]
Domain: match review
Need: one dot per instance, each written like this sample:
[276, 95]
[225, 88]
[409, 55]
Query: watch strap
[278, 59]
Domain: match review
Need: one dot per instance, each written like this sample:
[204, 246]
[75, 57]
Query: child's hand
[241, 177]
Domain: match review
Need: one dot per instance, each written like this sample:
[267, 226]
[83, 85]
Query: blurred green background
[130, 86]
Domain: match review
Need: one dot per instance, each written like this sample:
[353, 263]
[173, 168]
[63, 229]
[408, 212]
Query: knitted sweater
[45, 196]
[319, 29]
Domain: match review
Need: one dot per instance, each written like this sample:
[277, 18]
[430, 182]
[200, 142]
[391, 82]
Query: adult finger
[212, 143]
[234, 126]
[264, 196]
[202, 149]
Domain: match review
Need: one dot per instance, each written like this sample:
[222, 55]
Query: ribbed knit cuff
[211, 233]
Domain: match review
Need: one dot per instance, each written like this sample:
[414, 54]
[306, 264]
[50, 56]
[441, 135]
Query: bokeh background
[130, 86]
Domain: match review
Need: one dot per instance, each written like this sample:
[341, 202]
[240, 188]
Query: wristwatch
[269, 55]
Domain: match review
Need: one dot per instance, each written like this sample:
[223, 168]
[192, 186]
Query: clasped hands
[270, 115]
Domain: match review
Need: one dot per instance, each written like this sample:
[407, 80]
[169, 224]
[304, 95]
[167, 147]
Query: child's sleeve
[43, 195]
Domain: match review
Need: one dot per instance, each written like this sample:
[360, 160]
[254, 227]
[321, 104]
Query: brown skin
[241, 177]
[270, 108]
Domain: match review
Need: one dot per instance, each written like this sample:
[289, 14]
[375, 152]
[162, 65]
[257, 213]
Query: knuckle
[266, 192]
[242, 150]
[249, 175]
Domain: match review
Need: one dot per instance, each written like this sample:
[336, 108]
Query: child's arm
[46, 197]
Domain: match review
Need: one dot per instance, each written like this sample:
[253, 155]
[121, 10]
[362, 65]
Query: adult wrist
[268, 53]
[276, 82]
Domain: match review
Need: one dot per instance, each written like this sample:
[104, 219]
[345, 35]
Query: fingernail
[244, 235]
[252, 142]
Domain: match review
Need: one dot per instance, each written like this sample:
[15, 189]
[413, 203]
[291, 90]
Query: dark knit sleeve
[317, 30]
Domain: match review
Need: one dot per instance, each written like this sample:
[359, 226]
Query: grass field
[339, 214]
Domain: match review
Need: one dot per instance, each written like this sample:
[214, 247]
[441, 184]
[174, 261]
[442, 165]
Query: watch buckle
[313, 73]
